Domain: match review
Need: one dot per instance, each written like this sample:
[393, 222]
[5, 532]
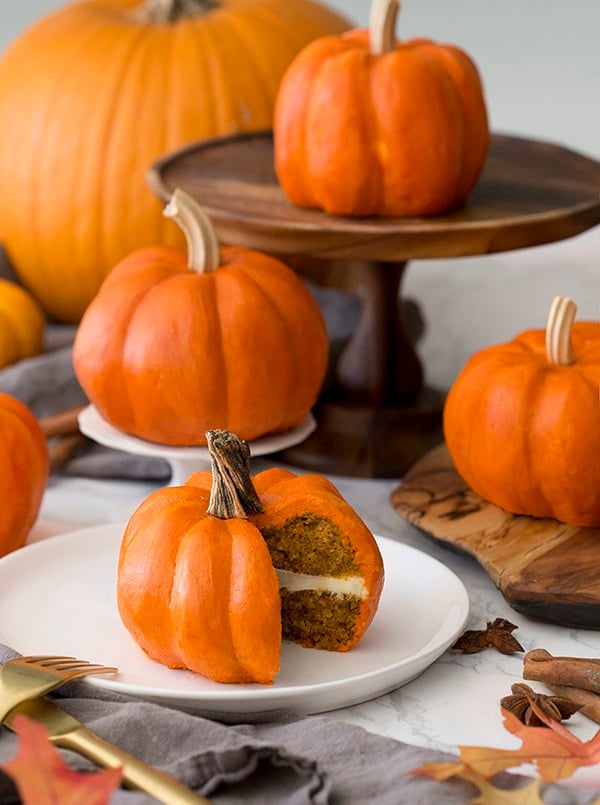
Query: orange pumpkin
[293, 507]
[195, 584]
[22, 324]
[166, 352]
[522, 421]
[24, 468]
[95, 92]
[367, 126]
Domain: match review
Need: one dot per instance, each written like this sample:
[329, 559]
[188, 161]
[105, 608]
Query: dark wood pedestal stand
[376, 417]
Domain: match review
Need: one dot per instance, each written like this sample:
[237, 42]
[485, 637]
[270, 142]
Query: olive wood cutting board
[545, 569]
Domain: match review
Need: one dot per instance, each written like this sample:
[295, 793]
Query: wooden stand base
[545, 569]
[366, 441]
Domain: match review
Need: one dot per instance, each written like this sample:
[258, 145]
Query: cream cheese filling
[294, 582]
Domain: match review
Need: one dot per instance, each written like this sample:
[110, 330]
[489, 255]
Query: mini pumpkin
[367, 126]
[522, 420]
[24, 468]
[94, 92]
[195, 584]
[22, 324]
[166, 352]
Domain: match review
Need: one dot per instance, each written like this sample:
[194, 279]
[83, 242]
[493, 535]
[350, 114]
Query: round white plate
[58, 597]
[183, 460]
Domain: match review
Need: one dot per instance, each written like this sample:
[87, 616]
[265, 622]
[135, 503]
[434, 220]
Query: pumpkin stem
[202, 242]
[382, 26]
[232, 493]
[559, 348]
[165, 11]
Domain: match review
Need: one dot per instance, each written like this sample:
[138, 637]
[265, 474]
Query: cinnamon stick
[62, 449]
[62, 423]
[574, 672]
[589, 701]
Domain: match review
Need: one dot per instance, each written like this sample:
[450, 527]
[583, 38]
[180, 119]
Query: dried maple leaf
[43, 778]
[497, 634]
[489, 794]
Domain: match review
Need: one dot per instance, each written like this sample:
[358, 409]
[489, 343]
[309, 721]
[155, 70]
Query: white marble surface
[455, 701]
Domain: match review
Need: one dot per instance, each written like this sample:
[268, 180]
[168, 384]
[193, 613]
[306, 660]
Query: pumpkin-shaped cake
[213, 574]
[368, 126]
[224, 337]
[522, 420]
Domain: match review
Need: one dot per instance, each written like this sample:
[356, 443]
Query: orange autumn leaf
[43, 778]
[556, 753]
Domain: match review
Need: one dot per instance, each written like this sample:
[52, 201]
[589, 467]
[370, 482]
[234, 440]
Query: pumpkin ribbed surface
[524, 433]
[92, 94]
[22, 324]
[166, 353]
[401, 133]
[24, 468]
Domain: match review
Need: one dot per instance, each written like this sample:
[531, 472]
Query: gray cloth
[292, 762]
[296, 761]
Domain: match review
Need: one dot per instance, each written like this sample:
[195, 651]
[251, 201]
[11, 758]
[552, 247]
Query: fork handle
[136, 774]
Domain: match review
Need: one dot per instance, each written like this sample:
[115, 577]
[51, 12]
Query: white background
[540, 64]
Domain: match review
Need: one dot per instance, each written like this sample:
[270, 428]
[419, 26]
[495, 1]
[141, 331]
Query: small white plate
[183, 460]
[58, 597]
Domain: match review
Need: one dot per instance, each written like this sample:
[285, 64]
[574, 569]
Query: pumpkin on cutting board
[174, 345]
[24, 469]
[213, 574]
[522, 421]
[22, 324]
[92, 94]
[368, 126]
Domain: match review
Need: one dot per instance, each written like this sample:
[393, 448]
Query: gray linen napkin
[300, 761]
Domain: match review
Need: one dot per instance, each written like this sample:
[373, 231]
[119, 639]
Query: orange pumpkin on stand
[368, 126]
[93, 93]
[24, 468]
[522, 421]
[166, 352]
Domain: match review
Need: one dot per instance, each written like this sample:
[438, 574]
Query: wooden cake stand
[376, 418]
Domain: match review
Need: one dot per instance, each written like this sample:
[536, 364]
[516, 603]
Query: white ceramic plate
[58, 597]
[183, 460]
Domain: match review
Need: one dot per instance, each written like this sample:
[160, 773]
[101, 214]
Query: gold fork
[27, 677]
[67, 732]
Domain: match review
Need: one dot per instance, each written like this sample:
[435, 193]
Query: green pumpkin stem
[559, 326]
[204, 253]
[232, 493]
[382, 26]
[165, 11]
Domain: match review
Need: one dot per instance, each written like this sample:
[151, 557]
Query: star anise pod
[497, 634]
[557, 708]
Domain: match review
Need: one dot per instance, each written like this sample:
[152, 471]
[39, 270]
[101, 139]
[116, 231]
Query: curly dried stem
[158, 12]
[204, 252]
[382, 26]
[232, 493]
[559, 326]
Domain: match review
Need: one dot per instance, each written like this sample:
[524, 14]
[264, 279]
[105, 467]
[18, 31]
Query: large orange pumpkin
[368, 126]
[195, 584]
[93, 93]
[522, 421]
[24, 468]
[166, 352]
